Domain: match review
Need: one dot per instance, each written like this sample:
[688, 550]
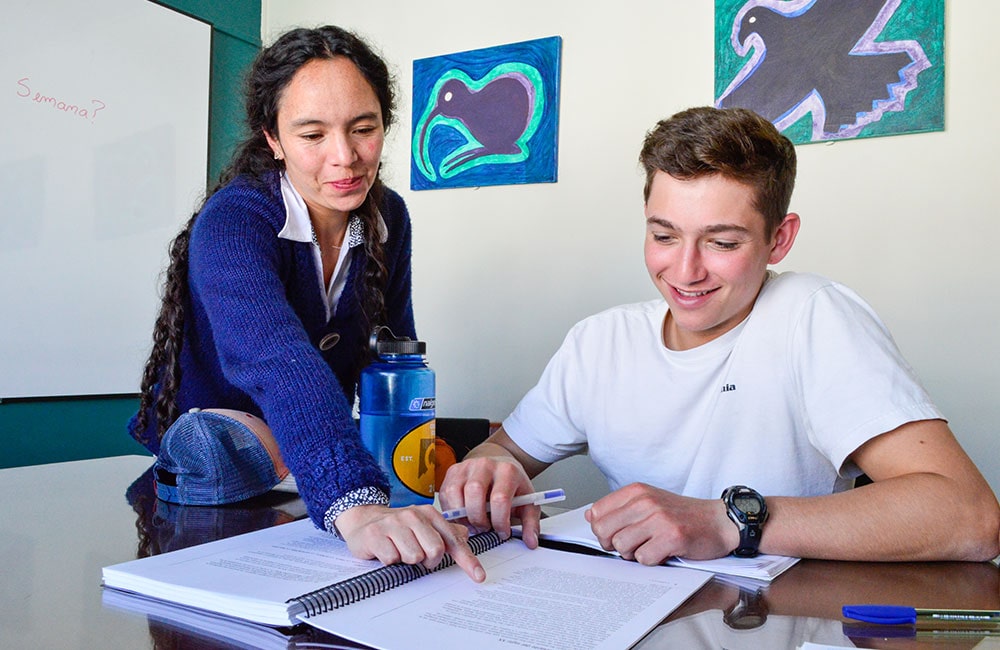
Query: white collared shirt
[298, 227]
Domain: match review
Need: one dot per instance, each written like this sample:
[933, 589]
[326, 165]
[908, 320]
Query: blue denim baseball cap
[214, 457]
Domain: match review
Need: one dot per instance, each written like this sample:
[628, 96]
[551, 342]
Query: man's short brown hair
[735, 143]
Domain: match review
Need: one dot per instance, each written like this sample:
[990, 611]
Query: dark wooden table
[61, 523]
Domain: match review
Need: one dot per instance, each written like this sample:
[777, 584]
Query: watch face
[749, 612]
[747, 504]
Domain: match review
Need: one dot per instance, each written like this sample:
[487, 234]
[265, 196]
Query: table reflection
[164, 527]
[804, 605]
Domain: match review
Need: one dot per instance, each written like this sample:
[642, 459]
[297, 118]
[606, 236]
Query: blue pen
[902, 615]
[534, 499]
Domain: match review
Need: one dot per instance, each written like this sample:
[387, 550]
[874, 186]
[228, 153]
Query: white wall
[501, 273]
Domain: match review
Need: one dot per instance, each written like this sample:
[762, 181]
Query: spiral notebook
[272, 576]
[293, 573]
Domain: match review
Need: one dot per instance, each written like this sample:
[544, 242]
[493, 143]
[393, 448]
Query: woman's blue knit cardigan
[252, 331]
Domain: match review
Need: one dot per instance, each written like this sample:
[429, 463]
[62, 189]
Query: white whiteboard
[103, 156]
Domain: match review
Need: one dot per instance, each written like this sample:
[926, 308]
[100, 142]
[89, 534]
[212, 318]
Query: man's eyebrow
[660, 221]
[708, 230]
[725, 227]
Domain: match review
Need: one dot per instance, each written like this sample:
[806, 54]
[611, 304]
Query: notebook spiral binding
[382, 579]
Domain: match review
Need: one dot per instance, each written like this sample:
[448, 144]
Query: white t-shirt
[777, 403]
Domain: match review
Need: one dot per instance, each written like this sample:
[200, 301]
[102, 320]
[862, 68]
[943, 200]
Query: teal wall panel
[48, 431]
[231, 57]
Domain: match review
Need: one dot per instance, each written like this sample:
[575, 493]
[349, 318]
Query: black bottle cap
[383, 341]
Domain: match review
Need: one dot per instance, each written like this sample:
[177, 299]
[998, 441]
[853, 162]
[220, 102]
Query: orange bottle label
[413, 459]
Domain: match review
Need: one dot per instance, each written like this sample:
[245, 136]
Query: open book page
[247, 576]
[531, 599]
[571, 527]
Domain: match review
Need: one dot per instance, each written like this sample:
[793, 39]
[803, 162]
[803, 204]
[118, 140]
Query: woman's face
[330, 136]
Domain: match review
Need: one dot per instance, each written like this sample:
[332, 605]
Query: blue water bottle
[397, 416]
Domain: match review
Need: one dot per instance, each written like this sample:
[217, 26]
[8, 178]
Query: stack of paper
[572, 528]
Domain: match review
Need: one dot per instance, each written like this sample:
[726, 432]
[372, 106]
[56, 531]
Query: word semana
[88, 113]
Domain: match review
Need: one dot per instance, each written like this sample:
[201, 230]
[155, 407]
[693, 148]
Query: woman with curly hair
[274, 286]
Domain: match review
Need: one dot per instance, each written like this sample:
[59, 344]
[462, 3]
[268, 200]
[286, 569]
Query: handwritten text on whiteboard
[88, 113]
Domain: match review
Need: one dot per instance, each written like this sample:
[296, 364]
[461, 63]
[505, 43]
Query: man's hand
[495, 480]
[650, 525]
[412, 535]
[494, 472]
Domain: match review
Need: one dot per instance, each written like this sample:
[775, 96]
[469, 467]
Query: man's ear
[784, 237]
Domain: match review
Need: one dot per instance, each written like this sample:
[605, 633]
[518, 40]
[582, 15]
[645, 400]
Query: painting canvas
[486, 117]
[824, 70]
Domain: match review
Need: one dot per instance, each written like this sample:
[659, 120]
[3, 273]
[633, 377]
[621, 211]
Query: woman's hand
[411, 535]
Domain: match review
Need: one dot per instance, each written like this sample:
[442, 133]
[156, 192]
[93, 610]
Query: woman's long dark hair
[270, 74]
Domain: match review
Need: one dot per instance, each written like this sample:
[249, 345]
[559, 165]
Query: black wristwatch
[748, 510]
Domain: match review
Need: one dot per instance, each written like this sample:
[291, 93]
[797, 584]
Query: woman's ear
[272, 142]
[784, 237]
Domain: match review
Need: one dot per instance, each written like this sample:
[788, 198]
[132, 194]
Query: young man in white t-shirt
[773, 391]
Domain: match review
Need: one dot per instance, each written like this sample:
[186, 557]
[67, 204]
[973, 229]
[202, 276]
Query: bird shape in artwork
[495, 117]
[811, 52]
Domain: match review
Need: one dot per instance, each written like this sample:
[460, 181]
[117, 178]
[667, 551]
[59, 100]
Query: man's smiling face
[707, 252]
